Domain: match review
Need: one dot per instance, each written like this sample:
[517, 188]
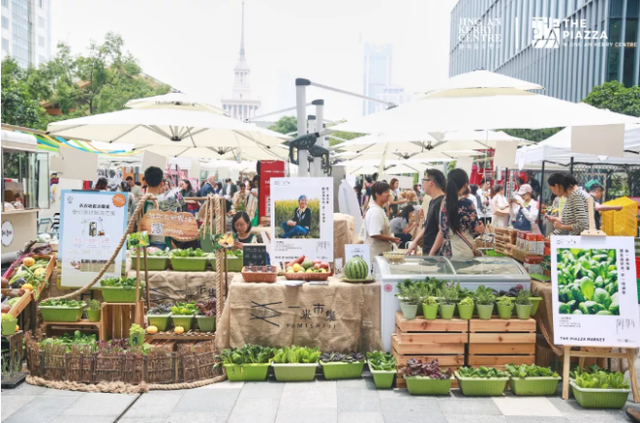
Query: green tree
[613, 95]
[532, 134]
[20, 101]
[285, 125]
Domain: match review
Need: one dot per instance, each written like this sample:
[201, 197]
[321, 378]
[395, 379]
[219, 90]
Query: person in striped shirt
[575, 216]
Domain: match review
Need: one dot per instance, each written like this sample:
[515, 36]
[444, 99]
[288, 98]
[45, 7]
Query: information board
[254, 255]
[359, 250]
[91, 226]
[594, 291]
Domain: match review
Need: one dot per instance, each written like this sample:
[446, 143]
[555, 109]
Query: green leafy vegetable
[296, 354]
[481, 372]
[524, 371]
[379, 360]
[63, 303]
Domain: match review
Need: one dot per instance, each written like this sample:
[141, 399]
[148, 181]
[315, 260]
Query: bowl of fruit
[305, 269]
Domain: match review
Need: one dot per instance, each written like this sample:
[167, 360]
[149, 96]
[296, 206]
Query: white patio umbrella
[178, 101]
[489, 82]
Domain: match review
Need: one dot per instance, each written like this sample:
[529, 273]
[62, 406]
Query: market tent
[562, 139]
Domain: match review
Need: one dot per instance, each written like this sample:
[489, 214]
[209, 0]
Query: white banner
[599, 140]
[505, 154]
[595, 300]
[91, 226]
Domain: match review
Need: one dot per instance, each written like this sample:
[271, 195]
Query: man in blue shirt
[208, 187]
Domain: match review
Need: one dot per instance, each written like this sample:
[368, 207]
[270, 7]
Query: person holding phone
[523, 209]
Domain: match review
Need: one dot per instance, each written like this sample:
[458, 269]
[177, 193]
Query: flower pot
[505, 311]
[599, 398]
[206, 323]
[430, 311]
[484, 311]
[409, 310]
[482, 387]
[383, 378]
[338, 370]
[247, 372]
[189, 264]
[535, 301]
[136, 340]
[93, 315]
[523, 311]
[161, 321]
[61, 314]
[466, 311]
[422, 385]
[447, 310]
[538, 386]
[184, 321]
[235, 264]
[9, 328]
[154, 263]
[116, 294]
[294, 372]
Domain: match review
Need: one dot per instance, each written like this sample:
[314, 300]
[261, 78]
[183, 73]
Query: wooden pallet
[117, 318]
[498, 342]
[82, 325]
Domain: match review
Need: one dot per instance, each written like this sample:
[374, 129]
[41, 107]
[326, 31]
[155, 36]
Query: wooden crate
[498, 342]
[117, 318]
[24, 301]
[83, 325]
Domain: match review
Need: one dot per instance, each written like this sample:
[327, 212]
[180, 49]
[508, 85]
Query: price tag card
[254, 255]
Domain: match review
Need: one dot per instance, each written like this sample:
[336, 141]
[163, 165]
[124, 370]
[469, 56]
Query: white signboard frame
[91, 227]
[359, 250]
[318, 242]
[592, 330]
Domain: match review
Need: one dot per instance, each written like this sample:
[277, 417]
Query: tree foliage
[285, 125]
[613, 95]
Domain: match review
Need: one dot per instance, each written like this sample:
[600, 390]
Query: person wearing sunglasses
[433, 185]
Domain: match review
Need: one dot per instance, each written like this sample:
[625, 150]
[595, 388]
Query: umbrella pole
[541, 196]
[384, 159]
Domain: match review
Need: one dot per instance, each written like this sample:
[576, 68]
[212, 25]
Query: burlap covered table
[338, 316]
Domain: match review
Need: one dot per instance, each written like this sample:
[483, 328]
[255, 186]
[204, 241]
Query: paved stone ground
[349, 401]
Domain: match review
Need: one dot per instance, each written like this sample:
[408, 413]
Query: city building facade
[376, 73]
[26, 31]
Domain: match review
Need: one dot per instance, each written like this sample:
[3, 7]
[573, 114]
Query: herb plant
[185, 309]
[523, 298]
[95, 305]
[505, 301]
[296, 354]
[336, 357]
[525, 371]
[136, 330]
[450, 294]
[8, 318]
[379, 360]
[432, 370]
[481, 372]
[466, 301]
[430, 301]
[484, 296]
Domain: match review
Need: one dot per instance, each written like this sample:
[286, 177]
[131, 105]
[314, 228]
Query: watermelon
[356, 268]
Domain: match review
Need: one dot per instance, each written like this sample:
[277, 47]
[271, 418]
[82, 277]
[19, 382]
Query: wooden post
[146, 278]
[137, 285]
[632, 375]
[565, 372]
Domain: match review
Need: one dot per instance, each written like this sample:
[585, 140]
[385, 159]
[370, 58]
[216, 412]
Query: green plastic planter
[234, 264]
[159, 320]
[61, 314]
[155, 263]
[206, 323]
[189, 264]
[466, 311]
[447, 310]
[484, 311]
[430, 312]
[333, 371]
[523, 311]
[477, 387]
[599, 398]
[534, 386]
[184, 321]
[383, 378]
[295, 372]
[409, 311]
[535, 301]
[114, 294]
[93, 315]
[136, 340]
[247, 372]
[9, 328]
[505, 311]
[422, 385]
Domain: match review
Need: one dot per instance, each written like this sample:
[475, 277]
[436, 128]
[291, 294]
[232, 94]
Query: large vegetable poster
[91, 226]
[302, 218]
[595, 300]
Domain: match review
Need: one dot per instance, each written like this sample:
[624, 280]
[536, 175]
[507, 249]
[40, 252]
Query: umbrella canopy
[489, 82]
[392, 167]
[178, 101]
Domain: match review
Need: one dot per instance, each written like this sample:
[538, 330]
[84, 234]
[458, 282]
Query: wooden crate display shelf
[20, 305]
[498, 342]
[117, 318]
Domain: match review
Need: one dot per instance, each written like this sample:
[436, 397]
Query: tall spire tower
[240, 104]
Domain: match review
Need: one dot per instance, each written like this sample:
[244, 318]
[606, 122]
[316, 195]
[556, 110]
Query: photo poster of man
[113, 175]
[302, 218]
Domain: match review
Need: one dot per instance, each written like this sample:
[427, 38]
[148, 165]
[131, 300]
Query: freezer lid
[416, 265]
[488, 266]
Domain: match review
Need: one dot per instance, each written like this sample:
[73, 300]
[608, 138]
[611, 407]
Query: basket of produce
[189, 260]
[295, 364]
[532, 380]
[599, 388]
[120, 290]
[61, 310]
[159, 316]
[483, 381]
[342, 366]
[316, 270]
[157, 259]
[266, 274]
[383, 368]
[426, 378]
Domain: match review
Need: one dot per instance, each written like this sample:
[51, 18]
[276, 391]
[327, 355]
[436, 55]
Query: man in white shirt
[484, 192]
[376, 223]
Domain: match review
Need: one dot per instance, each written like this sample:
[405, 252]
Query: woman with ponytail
[459, 220]
[575, 215]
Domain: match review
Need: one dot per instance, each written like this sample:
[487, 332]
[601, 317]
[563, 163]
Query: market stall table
[337, 316]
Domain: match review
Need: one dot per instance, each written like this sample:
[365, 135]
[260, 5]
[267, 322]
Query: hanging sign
[358, 250]
[594, 291]
[182, 226]
[91, 226]
[254, 255]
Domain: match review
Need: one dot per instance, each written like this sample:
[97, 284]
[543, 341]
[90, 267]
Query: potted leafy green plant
[93, 312]
[157, 259]
[465, 308]
[234, 261]
[159, 316]
[599, 388]
[430, 308]
[532, 380]
[189, 260]
[182, 314]
[206, 316]
[61, 310]
[485, 299]
[505, 307]
[535, 301]
[336, 365]
[426, 378]
[136, 335]
[523, 305]
[295, 364]
[9, 323]
[483, 381]
[120, 290]
[383, 368]
[249, 363]
[449, 300]
[409, 297]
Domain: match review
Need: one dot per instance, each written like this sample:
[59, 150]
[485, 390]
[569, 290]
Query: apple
[317, 266]
[324, 265]
[317, 261]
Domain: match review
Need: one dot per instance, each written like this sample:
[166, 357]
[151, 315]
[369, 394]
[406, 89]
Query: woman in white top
[499, 207]
[376, 223]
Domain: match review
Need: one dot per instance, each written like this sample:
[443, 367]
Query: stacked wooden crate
[505, 240]
[427, 340]
[498, 342]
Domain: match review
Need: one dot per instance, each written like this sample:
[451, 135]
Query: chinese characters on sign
[176, 225]
[312, 316]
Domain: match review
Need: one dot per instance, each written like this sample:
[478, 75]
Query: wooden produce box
[498, 342]
[427, 340]
[27, 297]
[117, 318]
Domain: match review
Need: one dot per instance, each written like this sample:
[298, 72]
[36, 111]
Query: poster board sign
[594, 291]
[182, 226]
[359, 250]
[254, 255]
[91, 226]
[267, 169]
[599, 140]
[505, 154]
[302, 218]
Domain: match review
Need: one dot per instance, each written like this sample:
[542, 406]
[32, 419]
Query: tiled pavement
[351, 401]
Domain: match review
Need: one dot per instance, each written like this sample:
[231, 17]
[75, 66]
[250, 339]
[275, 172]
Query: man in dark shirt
[433, 185]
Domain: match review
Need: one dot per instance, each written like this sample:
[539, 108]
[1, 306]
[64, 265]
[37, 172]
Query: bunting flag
[52, 145]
